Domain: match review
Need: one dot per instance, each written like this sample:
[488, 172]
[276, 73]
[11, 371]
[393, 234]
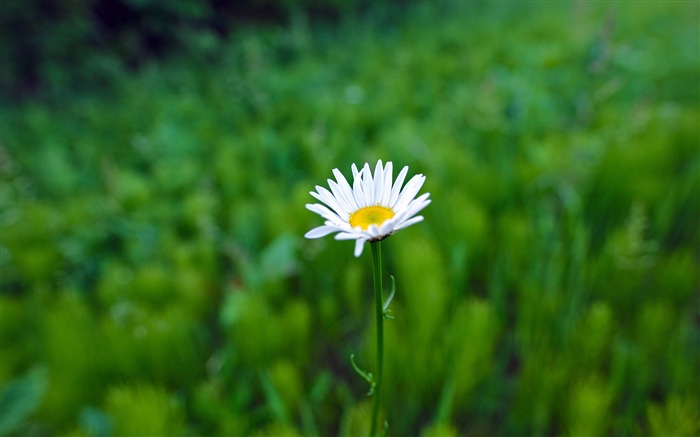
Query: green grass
[155, 278]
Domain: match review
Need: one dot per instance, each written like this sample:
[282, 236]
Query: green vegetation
[155, 280]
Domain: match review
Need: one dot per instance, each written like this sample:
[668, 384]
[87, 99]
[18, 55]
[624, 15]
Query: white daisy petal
[396, 188]
[386, 189]
[407, 223]
[325, 213]
[355, 172]
[368, 186]
[359, 246]
[373, 230]
[416, 205]
[409, 192]
[338, 195]
[347, 236]
[345, 190]
[387, 227]
[378, 182]
[342, 227]
[357, 192]
[367, 235]
[326, 197]
[321, 231]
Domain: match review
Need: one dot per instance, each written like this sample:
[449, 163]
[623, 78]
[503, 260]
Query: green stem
[378, 300]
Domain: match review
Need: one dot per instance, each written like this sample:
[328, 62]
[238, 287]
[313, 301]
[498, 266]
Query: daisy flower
[374, 207]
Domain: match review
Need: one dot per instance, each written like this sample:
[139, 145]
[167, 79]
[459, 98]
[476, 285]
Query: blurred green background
[156, 156]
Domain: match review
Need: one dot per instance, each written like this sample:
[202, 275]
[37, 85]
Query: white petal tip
[359, 246]
[321, 231]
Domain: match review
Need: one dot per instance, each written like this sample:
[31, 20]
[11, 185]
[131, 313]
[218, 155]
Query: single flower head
[374, 207]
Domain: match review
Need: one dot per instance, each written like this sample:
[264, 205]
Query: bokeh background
[156, 157]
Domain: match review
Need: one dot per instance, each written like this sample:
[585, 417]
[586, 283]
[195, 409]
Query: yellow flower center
[370, 215]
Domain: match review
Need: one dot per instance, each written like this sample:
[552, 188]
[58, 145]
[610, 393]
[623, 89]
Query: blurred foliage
[46, 46]
[154, 275]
